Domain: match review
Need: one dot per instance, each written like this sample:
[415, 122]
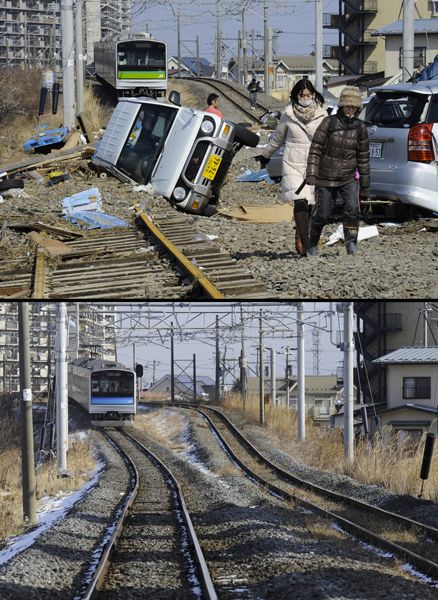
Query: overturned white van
[183, 153]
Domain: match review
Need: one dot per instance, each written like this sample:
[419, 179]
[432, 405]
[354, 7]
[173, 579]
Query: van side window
[432, 117]
[396, 110]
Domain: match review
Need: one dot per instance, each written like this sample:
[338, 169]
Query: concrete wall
[395, 384]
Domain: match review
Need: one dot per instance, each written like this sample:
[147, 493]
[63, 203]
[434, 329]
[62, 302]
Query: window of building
[419, 57]
[416, 388]
[434, 8]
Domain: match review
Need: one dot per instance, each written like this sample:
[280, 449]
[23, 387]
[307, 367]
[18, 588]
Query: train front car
[112, 397]
[141, 68]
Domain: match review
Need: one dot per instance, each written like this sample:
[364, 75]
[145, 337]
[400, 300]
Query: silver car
[403, 131]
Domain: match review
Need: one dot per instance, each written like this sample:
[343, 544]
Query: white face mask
[305, 102]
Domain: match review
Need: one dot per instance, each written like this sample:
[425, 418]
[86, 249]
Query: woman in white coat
[298, 123]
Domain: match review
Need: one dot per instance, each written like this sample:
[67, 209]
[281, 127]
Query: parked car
[403, 130]
[402, 124]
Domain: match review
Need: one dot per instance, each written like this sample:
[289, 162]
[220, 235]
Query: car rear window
[432, 117]
[396, 110]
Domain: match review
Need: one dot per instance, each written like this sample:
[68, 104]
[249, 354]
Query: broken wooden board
[52, 158]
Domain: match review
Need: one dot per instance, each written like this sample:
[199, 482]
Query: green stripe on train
[141, 75]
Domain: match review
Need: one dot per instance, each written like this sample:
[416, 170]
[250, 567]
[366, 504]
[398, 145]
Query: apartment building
[358, 52]
[387, 326]
[96, 339]
[30, 30]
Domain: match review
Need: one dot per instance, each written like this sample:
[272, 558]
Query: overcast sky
[295, 20]
[194, 327]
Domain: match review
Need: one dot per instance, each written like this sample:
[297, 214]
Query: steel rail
[220, 87]
[183, 261]
[100, 570]
[427, 566]
[206, 580]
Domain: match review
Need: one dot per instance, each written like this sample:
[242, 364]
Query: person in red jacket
[213, 101]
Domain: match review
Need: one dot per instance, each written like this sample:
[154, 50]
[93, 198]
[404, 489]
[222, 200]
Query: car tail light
[420, 143]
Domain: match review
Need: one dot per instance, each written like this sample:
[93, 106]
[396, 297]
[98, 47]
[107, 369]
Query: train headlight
[179, 193]
[207, 126]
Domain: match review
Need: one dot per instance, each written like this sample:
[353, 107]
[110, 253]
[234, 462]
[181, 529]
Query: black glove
[262, 160]
[364, 193]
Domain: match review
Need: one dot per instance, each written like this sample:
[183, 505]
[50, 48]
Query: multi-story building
[30, 30]
[96, 339]
[384, 327]
[358, 52]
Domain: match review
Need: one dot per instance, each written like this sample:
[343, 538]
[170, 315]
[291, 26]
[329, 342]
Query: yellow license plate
[212, 167]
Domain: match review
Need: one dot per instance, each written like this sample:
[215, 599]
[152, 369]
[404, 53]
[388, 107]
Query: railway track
[158, 257]
[239, 97]
[407, 539]
[166, 549]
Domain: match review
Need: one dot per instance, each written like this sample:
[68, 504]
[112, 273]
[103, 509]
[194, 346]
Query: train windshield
[141, 57]
[145, 141]
[112, 386]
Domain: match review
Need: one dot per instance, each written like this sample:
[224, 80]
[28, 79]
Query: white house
[412, 390]
[425, 43]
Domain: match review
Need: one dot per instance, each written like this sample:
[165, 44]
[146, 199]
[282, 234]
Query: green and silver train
[133, 67]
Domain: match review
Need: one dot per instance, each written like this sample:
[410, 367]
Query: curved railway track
[115, 573]
[239, 97]
[406, 538]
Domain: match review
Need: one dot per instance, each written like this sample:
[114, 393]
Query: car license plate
[375, 150]
[212, 167]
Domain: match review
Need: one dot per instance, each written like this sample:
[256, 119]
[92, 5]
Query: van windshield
[395, 110]
[145, 141]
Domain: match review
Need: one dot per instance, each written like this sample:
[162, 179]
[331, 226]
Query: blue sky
[158, 346]
[198, 17]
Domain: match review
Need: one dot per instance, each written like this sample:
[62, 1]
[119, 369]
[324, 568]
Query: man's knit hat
[350, 96]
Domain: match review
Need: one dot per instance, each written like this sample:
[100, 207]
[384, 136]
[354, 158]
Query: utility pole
[197, 56]
[133, 356]
[27, 450]
[194, 378]
[224, 370]
[319, 82]
[178, 42]
[243, 363]
[172, 366]
[80, 58]
[77, 330]
[301, 399]
[267, 85]
[245, 65]
[273, 386]
[218, 42]
[261, 373]
[218, 364]
[61, 389]
[154, 362]
[348, 347]
[287, 377]
[426, 309]
[68, 62]
[408, 40]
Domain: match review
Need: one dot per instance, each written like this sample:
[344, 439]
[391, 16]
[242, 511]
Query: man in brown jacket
[339, 150]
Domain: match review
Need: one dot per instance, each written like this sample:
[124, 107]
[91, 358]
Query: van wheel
[246, 137]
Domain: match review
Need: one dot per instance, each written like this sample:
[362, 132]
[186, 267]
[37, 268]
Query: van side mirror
[175, 98]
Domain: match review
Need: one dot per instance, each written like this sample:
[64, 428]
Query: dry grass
[384, 461]
[80, 462]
